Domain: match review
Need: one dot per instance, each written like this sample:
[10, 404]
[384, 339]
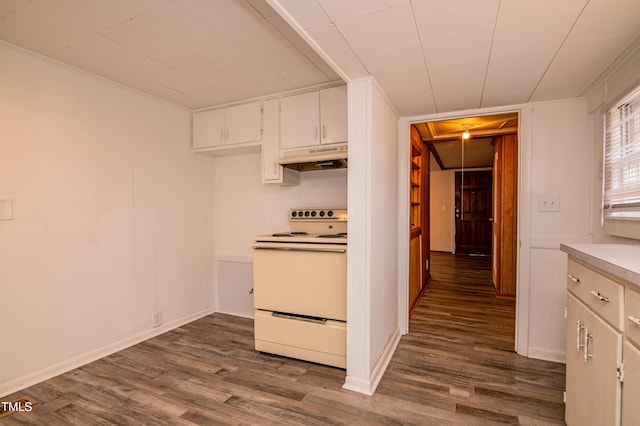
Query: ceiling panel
[606, 28]
[98, 15]
[428, 56]
[380, 30]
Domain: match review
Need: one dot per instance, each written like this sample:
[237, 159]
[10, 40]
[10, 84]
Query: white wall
[245, 207]
[372, 295]
[558, 158]
[112, 218]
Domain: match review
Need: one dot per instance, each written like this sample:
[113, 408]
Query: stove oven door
[300, 278]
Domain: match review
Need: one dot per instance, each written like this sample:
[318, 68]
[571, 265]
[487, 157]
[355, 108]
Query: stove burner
[289, 234]
[338, 235]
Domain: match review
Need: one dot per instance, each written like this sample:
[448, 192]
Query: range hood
[322, 158]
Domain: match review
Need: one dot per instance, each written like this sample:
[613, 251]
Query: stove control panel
[318, 214]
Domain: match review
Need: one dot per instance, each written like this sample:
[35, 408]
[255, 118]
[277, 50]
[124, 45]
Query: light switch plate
[6, 209]
[548, 202]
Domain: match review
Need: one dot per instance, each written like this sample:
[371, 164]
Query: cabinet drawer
[324, 343]
[632, 315]
[604, 296]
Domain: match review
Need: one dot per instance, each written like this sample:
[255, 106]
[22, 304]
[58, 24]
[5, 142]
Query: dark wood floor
[457, 366]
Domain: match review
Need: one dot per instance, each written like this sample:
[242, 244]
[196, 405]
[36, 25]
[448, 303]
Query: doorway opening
[471, 205]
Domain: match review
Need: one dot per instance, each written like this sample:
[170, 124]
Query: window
[622, 159]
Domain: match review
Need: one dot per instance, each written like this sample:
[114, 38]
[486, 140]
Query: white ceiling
[429, 56]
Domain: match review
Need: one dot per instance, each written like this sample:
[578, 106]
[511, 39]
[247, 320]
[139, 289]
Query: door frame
[524, 209]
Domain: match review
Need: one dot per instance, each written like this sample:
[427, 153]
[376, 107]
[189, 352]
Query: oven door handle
[313, 250]
[299, 318]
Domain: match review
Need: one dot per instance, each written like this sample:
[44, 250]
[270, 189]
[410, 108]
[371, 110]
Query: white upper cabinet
[314, 118]
[235, 125]
[333, 115]
[272, 171]
[208, 128]
[243, 123]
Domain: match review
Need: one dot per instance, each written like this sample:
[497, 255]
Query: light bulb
[466, 135]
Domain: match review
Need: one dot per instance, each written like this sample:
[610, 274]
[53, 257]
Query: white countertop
[620, 260]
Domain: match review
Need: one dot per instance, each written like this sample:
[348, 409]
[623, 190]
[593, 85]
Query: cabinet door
[208, 128]
[299, 121]
[333, 115]
[243, 123]
[576, 384]
[631, 385]
[271, 170]
[593, 388]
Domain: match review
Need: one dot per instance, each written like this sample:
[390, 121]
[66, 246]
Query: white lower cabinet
[594, 351]
[603, 359]
[631, 386]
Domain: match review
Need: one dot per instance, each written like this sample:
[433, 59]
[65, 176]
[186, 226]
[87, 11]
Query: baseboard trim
[369, 386]
[547, 355]
[93, 355]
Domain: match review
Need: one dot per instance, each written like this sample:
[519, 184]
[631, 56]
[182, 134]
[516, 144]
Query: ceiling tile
[340, 10]
[177, 24]
[222, 15]
[139, 38]
[98, 15]
[384, 29]
[605, 29]
[461, 29]
[184, 62]
[17, 28]
[308, 13]
[8, 6]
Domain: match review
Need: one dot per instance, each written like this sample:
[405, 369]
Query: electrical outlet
[157, 319]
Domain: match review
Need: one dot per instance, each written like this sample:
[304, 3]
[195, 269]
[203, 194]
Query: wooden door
[419, 253]
[473, 212]
[505, 217]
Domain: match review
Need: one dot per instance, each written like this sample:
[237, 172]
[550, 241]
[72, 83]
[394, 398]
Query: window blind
[622, 159]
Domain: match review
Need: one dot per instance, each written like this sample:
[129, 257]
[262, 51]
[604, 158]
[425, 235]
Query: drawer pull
[574, 279]
[634, 320]
[600, 297]
[587, 336]
[579, 327]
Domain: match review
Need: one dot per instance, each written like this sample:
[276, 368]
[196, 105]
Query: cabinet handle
[600, 297]
[634, 320]
[579, 328]
[574, 279]
[315, 136]
[587, 336]
[324, 132]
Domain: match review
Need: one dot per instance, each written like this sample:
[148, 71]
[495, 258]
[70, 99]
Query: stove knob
[294, 214]
[321, 213]
[300, 214]
[313, 213]
[306, 214]
[330, 213]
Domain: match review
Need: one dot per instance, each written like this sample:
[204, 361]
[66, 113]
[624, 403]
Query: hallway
[459, 353]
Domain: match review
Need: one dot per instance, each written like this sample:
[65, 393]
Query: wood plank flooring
[457, 366]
